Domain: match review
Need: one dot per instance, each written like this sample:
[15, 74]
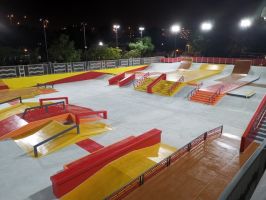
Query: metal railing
[192, 92]
[216, 94]
[140, 180]
[35, 147]
[46, 107]
[175, 85]
[10, 100]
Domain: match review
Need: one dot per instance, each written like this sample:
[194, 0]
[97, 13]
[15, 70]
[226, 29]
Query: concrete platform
[129, 113]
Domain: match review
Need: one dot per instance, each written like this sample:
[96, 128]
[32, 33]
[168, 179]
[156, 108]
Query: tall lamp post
[141, 29]
[44, 26]
[84, 39]
[175, 29]
[115, 28]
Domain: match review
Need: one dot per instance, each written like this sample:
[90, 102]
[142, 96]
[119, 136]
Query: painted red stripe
[89, 145]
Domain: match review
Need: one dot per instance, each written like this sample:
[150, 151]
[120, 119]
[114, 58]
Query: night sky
[146, 12]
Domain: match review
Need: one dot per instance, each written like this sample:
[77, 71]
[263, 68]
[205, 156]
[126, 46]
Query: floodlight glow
[245, 23]
[175, 29]
[116, 26]
[206, 26]
[141, 28]
[100, 43]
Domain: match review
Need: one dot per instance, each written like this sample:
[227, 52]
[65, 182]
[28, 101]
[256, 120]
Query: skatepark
[101, 134]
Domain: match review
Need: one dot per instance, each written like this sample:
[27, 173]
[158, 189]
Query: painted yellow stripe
[23, 82]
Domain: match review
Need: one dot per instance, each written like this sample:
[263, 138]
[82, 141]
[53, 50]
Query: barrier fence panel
[110, 64]
[95, 65]
[79, 66]
[8, 72]
[136, 61]
[34, 70]
[123, 62]
[60, 68]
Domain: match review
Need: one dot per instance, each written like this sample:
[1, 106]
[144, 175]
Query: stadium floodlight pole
[175, 29]
[84, 39]
[115, 28]
[44, 25]
[141, 29]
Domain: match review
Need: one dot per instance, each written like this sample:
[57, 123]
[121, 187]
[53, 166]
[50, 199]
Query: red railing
[124, 191]
[155, 82]
[127, 80]
[53, 99]
[175, 85]
[253, 125]
[216, 60]
[116, 79]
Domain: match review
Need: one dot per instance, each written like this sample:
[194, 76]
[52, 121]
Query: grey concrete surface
[130, 112]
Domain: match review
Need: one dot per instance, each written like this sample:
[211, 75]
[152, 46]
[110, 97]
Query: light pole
[141, 29]
[115, 28]
[84, 39]
[175, 29]
[44, 25]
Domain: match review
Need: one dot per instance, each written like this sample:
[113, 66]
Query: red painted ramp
[80, 77]
[89, 145]
[78, 171]
[11, 124]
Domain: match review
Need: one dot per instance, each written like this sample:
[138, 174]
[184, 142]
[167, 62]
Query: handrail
[253, 124]
[155, 82]
[217, 93]
[176, 84]
[46, 107]
[10, 100]
[126, 189]
[141, 80]
[51, 99]
[192, 92]
[35, 150]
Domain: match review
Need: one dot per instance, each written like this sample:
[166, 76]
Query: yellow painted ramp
[144, 85]
[23, 82]
[163, 87]
[15, 109]
[119, 172]
[212, 67]
[53, 128]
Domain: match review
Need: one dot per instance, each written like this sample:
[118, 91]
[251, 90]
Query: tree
[143, 45]
[132, 54]
[104, 53]
[63, 50]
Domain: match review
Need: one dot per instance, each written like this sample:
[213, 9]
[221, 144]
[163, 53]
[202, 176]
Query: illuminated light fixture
[100, 43]
[206, 26]
[175, 29]
[245, 23]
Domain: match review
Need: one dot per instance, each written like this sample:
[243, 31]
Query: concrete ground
[130, 112]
